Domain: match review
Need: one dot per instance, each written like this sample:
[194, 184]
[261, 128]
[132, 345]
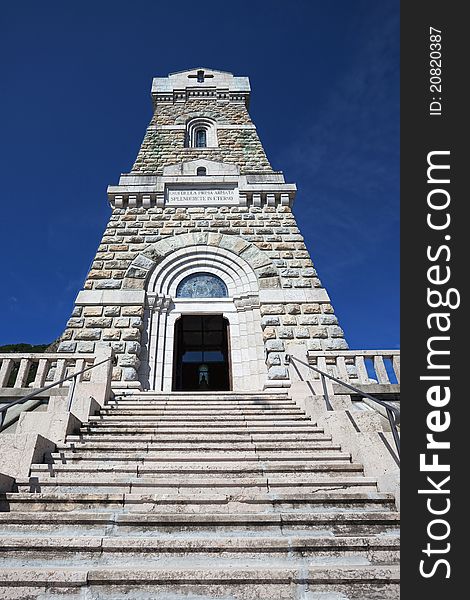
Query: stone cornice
[183, 128]
[174, 186]
[245, 194]
[200, 83]
[187, 94]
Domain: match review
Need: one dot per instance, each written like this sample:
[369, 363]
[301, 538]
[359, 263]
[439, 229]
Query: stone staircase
[199, 496]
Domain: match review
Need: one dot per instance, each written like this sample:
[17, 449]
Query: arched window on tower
[201, 133]
[201, 171]
[201, 285]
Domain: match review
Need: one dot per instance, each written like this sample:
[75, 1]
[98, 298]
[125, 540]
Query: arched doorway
[202, 280]
[201, 353]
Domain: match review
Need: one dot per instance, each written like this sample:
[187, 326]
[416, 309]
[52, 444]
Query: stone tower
[202, 276]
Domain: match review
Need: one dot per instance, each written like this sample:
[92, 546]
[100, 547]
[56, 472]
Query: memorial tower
[206, 472]
[202, 275]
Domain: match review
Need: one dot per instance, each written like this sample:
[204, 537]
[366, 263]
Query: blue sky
[75, 102]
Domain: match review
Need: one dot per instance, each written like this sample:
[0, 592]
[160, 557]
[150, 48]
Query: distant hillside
[24, 348]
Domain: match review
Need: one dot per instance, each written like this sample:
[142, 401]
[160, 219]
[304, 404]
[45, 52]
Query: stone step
[191, 443]
[188, 409]
[199, 495]
[193, 468]
[205, 442]
[112, 523]
[209, 403]
[155, 549]
[195, 456]
[240, 404]
[222, 422]
[200, 411]
[220, 419]
[250, 501]
[210, 426]
[198, 435]
[195, 395]
[196, 485]
[191, 440]
[208, 430]
[245, 580]
[145, 409]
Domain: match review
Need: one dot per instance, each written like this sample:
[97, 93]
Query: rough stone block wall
[273, 230]
[240, 146]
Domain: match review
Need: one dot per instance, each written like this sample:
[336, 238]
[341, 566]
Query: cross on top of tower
[203, 82]
[201, 75]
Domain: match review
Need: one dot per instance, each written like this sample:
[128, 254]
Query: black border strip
[424, 131]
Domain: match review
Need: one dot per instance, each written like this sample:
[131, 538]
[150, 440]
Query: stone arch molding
[139, 271]
[208, 114]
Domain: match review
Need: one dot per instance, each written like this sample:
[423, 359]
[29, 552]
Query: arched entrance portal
[204, 279]
[201, 353]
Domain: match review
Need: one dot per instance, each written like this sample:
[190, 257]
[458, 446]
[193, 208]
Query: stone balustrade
[29, 429]
[358, 367]
[39, 369]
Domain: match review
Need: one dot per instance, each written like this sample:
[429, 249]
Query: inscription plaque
[201, 197]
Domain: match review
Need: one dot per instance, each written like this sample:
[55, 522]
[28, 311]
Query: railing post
[73, 383]
[22, 376]
[88, 396]
[79, 366]
[102, 373]
[41, 373]
[298, 372]
[326, 384]
[5, 370]
[325, 393]
[380, 370]
[342, 369]
[60, 369]
[396, 366]
[394, 430]
[362, 373]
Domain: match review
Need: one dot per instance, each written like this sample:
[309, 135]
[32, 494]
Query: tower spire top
[200, 82]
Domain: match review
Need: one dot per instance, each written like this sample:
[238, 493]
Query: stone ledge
[110, 297]
[281, 296]
[374, 389]
[15, 393]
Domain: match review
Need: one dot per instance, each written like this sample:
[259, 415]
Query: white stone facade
[220, 210]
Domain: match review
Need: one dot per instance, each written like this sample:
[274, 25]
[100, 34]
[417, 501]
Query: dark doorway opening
[201, 353]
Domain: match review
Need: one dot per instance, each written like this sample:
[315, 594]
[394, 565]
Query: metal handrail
[73, 376]
[393, 413]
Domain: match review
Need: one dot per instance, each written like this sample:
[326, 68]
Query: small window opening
[200, 76]
[201, 138]
[201, 171]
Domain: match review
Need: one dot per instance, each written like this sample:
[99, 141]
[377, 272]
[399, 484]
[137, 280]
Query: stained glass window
[202, 285]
